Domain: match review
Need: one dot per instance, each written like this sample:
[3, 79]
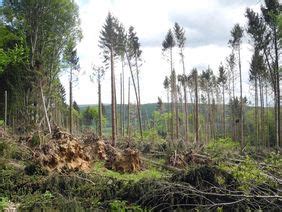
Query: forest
[208, 145]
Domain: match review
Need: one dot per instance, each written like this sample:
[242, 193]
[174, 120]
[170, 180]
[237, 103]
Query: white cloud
[151, 20]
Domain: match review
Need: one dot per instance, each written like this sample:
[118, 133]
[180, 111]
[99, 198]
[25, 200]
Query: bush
[122, 206]
[247, 173]
[35, 140]
[222, 147]
[3, 203]
[3, 147]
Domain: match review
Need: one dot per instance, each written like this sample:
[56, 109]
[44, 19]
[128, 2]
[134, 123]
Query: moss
[150, 173]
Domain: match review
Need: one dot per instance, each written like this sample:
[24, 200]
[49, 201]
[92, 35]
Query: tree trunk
[197, 109]
[100, 108]
[241, 100]
[123, 101]
[172, 97]
[45, 109]
[262, 129]
[139, 95]
[278, 132]
[120, 106]
[256, 112]
[185, 101]
[223, 112]
[70, 107]
[113, 90]
[136, 95]
[128, 111]
[6, 103]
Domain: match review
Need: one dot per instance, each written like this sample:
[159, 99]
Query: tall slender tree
[133, 54]
[235, 42]
[271, 12]
[73, 62]
[179, 33]
[97, 75]
[222, 80]
[168, 45]
[109, 43]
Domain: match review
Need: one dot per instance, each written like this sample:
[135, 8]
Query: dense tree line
[38, 43]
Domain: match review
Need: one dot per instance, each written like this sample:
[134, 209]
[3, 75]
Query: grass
[149, 173]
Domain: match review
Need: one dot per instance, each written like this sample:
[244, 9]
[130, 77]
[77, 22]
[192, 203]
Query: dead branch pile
[206, 188]
[62, 152]
[191, 157]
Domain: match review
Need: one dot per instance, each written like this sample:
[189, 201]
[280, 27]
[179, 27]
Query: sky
[207, 25]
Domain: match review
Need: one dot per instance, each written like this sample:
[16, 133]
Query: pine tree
[235, 42]
[109, 43]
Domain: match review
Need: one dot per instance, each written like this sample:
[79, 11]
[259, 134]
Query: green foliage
[122, 206]
[89, 115]
[149, 173]
[12, 151]
[247, 173]
[3, 203]
[221, 147]
[151, 135]
[3, 147]
[35, 140]
[273, 163]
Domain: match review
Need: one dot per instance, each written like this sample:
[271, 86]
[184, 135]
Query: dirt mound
[62, 152]
[127, 160]
[190, 157]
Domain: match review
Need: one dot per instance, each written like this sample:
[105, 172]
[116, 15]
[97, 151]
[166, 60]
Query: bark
[70, 107]
[120, 106]
[262, 129]
[113, 90]
[256, 112]
[136, 95]
[223, 111]
[100, 108]
[185, 101]
[241, 100]
[278, 134]
[128, 110]
[172, 98]
[123, 100]
[196, 109]
[45, 109]
[138, 89]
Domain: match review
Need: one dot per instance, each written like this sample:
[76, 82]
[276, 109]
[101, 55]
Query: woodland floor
[64, 173]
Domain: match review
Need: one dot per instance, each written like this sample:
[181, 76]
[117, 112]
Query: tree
[133, 54]
[88, 115]
[73, 62]
[168, 45]
[180, 40]
[109, 43]
[222, 79]
[235, 42]
[230, 60]
[194, 79]
[75, 106]
[271, 12]
[99, 74]
[206, 84]
[45, 35]
[255, 69]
